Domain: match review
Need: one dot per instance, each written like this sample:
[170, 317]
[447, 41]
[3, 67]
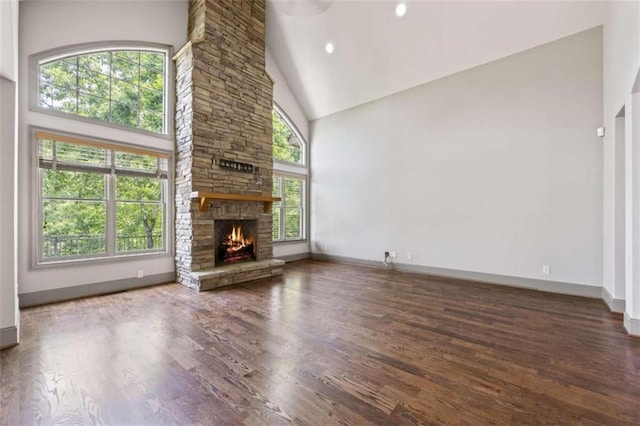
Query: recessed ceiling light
[328, 48]
[401, 9]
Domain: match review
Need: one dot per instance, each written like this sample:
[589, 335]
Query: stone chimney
[223, 120]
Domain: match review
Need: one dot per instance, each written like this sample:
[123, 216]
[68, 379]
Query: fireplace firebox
[235, 241]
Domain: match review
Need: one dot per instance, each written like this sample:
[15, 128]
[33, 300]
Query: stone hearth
[223, 116]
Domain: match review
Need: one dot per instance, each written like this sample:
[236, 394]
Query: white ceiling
[377, 54]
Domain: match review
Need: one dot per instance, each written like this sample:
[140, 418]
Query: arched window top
[125, 85]
[288, 144]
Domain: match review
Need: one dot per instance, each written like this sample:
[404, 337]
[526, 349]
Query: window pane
[74, 202]
[152, 79]
[59, 73]
[276, 220]
[276, 186]
[125, 66]
[59, 98]
[151, 121]
[286, 145]
[293, 207]
[93, 106]
[293, 224]
[150, 100]
[80, 185]
[124, 93]
[139, 226]
[73, 228]
[138, 188]
[293, 193]
[124, 114]
[81, 154]
[94, 83]
[98, 62]
[45, 149]
[276, 208]
[153, 60]
[140, 162]
[109, 86]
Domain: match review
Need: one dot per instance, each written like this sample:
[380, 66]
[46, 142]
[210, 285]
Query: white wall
[9, 39]
[52, 24]
[496, 169]
[285, 98]
[621, 61]
[621, 41]
[287, 101]
[7, 217]
[8, 77]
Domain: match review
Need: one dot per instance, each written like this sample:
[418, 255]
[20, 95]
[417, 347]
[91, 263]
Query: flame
[236, 240]
[236, 235]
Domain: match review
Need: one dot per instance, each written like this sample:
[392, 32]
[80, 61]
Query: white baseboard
[615, 305]
[631, 325]
[572, 289]
[68, 293]
[8, 337]
[293, 257]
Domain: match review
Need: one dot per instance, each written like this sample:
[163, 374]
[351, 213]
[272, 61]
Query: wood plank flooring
[326, 343]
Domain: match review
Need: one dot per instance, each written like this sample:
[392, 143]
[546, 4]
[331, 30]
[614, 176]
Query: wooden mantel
[206, 196]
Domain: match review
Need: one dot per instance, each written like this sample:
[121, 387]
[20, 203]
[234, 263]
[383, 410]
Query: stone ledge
[234, 274]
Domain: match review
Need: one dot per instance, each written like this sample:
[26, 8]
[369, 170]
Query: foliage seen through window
[124, 87]
[286, 144]
[76, 202]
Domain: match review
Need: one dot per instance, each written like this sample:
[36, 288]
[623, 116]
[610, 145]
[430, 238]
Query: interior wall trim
[615, 305]
[76, 292]
[572, 289]
[295, 256]
[631, 325]
[8, 337]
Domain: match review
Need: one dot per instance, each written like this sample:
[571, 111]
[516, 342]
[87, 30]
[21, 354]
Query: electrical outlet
[409, 255]
[393, 254]
[140, 273]
[546, 269]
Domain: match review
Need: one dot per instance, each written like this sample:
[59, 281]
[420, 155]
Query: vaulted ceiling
[377, 54]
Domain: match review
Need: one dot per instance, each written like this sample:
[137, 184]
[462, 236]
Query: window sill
[92, 261]
[69, 116]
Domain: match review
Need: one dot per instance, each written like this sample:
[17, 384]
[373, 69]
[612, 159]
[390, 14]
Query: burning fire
[236, 241]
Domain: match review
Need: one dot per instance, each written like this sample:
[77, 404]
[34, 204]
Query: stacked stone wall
[223, 111]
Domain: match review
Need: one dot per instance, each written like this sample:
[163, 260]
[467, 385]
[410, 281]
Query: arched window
[289, 180]
[288, 145]
[125, 86]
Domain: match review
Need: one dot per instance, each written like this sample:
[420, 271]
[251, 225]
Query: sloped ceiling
[378, 54]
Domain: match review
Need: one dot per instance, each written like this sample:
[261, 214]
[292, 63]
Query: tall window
[288, 214]
[125, 87]
[98, 199]
[289, 179]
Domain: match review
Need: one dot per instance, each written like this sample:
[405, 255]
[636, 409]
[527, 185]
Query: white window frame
[298, 135]
[110, 200]
[37, 59]
[297, 171]
[281, 217]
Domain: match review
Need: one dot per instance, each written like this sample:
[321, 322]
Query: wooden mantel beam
[206, 196]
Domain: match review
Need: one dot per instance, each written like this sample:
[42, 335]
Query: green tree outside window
[82, 186]
[124, 87]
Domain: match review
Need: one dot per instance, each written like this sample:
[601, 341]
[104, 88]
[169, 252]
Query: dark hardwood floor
[325, 344]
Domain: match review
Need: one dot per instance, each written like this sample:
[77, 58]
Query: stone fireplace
[224, 160]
